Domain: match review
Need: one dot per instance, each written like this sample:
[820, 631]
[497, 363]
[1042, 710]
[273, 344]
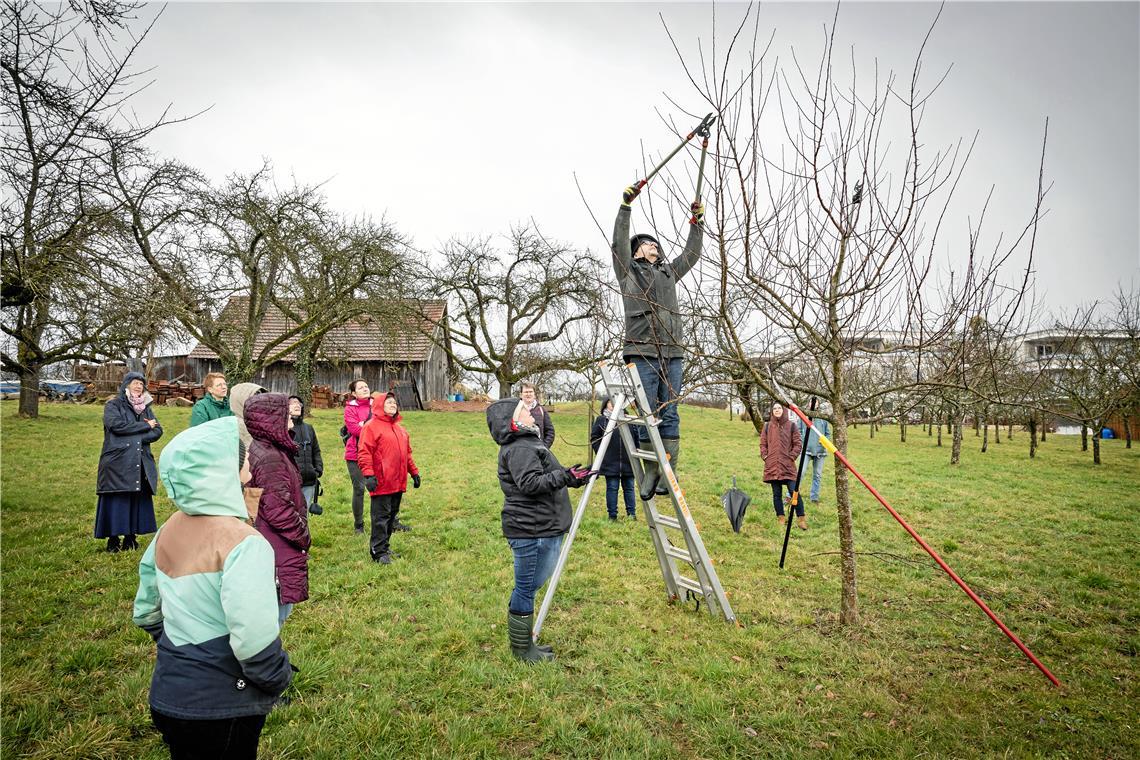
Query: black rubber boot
[113, 544]
[130, 542]
[522, 645]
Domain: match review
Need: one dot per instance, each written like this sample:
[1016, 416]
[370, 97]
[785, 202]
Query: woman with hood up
[535, 517]
[127, 478]
[615, 465]
[281, 514]
[206, 596]
[779, 447]
[384, 455]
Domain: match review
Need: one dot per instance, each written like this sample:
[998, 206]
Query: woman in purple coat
[281, 514]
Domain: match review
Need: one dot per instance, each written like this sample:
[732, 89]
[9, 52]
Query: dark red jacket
[281, 514]
[780, 448]
[385, 450]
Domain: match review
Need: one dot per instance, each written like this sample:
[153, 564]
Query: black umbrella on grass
[735, 504]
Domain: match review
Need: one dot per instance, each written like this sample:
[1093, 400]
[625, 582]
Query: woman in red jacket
[281, 513]
[779, 447]
[384, 455]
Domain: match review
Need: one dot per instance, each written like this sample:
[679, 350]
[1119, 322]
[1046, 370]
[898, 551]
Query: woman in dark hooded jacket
[281, 514]
[128, 478]
[615, 466]
[308, 456]
[536, 514]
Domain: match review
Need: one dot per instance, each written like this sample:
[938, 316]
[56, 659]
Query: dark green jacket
[653, 324]
[206, 409]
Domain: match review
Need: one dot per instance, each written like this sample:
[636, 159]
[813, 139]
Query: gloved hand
[579, 476]
[630, 193]
[416, 481]
[371, 484]
[698, 210]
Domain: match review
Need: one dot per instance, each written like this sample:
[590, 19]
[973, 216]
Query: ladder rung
[690, 585]
[669, 522]
[642, 454]
[680, 554]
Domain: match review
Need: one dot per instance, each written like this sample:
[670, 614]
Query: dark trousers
[225, 739]
[625, 482]
[358, 492]
[385, 508]
[662, 381]
[777, 498]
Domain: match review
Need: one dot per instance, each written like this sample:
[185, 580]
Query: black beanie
[636, 241]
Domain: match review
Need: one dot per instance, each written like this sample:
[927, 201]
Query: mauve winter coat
[385, 450]
[281, 514]
[780, 448]
[356, 412]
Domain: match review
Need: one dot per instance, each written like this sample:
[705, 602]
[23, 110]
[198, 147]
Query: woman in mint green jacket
[207, 595]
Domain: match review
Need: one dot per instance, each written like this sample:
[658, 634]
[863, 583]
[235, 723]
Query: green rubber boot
[522, 645]
[673, 449]
[650, 478]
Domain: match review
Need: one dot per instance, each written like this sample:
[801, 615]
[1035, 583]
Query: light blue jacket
[815, 448]
[207, 592]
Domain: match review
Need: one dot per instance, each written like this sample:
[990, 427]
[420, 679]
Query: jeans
[385, 507]
[777, 498]
[310, 493]
[817, 461]
[535, 559]
[283, 612]
[662, 381]
[224, 739]
[625, 482]
[358, 492]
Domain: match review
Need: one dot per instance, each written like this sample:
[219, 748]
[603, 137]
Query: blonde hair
[211, 378]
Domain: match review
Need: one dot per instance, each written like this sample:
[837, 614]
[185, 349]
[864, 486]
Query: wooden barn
[384, 354]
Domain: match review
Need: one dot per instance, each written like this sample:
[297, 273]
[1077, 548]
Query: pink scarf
[139, 402]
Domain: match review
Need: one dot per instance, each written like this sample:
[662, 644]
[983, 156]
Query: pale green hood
[199, 468]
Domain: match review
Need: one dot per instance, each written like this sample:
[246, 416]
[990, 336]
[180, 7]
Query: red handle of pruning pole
[953, 576]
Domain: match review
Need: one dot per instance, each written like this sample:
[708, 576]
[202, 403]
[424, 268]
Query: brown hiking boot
[781, 520]
[801, 521]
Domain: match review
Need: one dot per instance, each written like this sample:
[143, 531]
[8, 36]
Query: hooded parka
[779, 448]
[126, 458]
[535, 501]
[615, 464]
[385, 450]
[282, 516]
[206, 589]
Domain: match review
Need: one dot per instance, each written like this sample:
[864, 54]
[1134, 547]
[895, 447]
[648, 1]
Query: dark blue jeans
[535, 559]
[625, 482]
[777, 498]
[662, 381]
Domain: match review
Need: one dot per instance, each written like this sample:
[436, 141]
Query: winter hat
[636, 241]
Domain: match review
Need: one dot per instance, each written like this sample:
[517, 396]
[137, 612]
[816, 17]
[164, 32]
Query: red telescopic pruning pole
[827, 444]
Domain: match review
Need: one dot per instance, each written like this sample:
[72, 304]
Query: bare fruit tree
[827, 209]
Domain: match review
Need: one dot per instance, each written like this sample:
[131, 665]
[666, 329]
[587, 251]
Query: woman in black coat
[128, 478]
[308, 456]
[615, 464]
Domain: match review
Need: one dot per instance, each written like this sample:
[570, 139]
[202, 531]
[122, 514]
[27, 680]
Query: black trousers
[225, 739]
[358, 492]
[385, 507]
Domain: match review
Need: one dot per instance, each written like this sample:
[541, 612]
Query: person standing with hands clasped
[654, 328]
[535, 517]
[384, 455]
[779, 446]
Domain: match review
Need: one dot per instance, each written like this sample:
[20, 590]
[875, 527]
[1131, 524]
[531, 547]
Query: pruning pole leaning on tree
[827, 444]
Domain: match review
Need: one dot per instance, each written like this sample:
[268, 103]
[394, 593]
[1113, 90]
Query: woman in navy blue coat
[128, 477]
[615, 464]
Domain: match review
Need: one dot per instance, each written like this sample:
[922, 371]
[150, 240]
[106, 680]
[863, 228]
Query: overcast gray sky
[461, 119]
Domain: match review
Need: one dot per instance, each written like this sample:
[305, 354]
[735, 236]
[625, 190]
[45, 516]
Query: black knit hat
[636, 241]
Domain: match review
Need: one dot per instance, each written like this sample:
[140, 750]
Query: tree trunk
[956, 447]
[505, 385]
[1032, 437]
[1084, 437]
[985, 436]
[303, 373]
[849, 599]
[1127, 432]
[1096, 449]
[1009, 431]
[902, 429]
[977, 425]
[872, 426]
[997, 430]
[1044, 427]
[30, 393]
[939, 444]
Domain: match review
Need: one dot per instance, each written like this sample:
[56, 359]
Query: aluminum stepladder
[624, 386]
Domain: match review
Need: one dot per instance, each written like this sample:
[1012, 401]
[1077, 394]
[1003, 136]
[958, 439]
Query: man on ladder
[653, 324]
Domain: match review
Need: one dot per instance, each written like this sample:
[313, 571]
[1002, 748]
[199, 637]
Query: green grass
[411, 660]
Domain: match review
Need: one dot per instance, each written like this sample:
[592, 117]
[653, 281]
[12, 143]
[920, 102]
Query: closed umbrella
[735, 503]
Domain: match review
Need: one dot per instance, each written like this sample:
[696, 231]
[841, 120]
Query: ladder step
[690, 585]
[680, 554]
[641, 454]
[669, 522]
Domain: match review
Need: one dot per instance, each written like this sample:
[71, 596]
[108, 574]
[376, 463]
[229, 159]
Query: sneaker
[384, 559]
[316, 509]
[631, 515]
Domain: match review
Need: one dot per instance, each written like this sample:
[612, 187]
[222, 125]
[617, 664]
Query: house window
[1044, 350]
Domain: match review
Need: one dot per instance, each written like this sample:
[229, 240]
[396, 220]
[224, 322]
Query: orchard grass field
[411, 660]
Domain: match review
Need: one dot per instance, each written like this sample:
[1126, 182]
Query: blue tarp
[51, 387]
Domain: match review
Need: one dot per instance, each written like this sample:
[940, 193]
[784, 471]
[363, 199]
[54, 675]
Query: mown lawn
[411, 660]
